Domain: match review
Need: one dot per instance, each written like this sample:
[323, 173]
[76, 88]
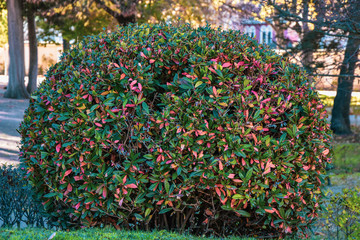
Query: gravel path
[11, 115]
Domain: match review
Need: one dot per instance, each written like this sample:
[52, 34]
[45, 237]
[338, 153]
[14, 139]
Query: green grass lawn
[329, 103]
[94, 234]
[329, 100]
[346, 158]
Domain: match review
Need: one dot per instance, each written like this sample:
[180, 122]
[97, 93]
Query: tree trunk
[16, 87]
[306, 42]
[33, 60]
[340, 120]
[66, 45]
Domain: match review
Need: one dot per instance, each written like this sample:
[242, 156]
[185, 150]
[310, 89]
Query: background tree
[348, 21]
[331, 18]
[16, 10]
[195, 12]
[124, 11]
[315, 21]
[16, 87]
[130, 11]
[3, 24]
[32, 9]
[33, 53]
[73, 21]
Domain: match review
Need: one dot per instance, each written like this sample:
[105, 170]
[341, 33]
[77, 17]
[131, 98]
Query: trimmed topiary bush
[197, 130]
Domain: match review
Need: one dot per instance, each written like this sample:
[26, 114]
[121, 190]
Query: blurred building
[261, 31]
[48, 54]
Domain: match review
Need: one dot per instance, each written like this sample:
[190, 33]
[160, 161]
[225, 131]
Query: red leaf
[239, 64]
[221, 167]
[98, 124]
[67, 172]
[143, 55]
[212, 70]
[215, 92]
[152, 60]
[122, 76]
[69, 187]
[121, 202]
[267, 170]
[231, 175]
[288, 230]
[77, 206]
[237, 180]
[58, 147]
[132, 185]
[218, 191]
[326, 152]
[104, 193]
[243, 162]
[269, 211]
[225, 65]
[160, 202]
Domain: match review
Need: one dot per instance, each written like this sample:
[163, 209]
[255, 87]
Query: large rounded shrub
[156, 126]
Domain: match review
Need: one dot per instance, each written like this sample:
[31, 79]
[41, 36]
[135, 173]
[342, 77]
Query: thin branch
[107, 9]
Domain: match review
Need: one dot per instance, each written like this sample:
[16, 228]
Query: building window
[266, 34]
[250, 30]
[270, 37]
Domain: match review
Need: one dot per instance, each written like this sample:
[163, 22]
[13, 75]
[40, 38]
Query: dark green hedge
[17, 205]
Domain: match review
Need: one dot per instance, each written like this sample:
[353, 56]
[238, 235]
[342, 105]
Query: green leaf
[49, 195]
[62, 118]
[178, 171]
[148, 156]
[111, 113]
[44, 154]
[147, 212]
[238, 196]
[226, 207]
[94, 107]
[138, 217]
[167, 186]
[145, 107]
[165, 210]
[243, 213]
[248, 175]
[198, 84]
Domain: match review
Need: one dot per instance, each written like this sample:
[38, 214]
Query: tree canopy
[3, 27]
